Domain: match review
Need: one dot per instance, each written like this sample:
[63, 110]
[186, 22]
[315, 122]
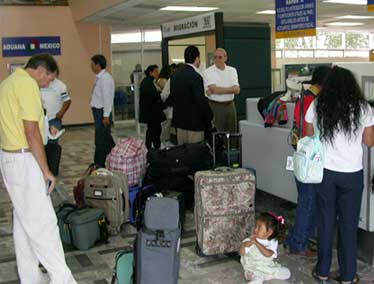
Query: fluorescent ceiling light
[344, 24]
[355, 17]
[188, 8]
[266, 12]
[349, 2]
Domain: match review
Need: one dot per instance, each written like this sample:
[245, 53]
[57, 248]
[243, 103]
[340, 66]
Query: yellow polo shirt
[19, 100]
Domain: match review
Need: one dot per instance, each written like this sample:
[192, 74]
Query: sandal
[355, 280]
[319, 278]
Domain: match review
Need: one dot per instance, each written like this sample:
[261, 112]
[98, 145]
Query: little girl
[259, 251]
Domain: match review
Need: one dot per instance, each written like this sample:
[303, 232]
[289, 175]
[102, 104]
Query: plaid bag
[129, 156]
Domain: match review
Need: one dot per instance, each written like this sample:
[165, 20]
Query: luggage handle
[223, 169]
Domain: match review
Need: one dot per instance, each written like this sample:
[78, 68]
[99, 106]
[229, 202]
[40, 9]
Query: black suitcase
[53, 152]
[227, 150]
[181, 160]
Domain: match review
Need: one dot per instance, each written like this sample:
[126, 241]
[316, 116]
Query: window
[150, 36]
[357, 41]
[326, 45]
[127, 37]
[137, 36]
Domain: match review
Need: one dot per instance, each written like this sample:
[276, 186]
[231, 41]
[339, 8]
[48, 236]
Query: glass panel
[278, 54]
[356, 40]
[335, 53]
[290, 53]
[305, 53]
[127, 37]
[321, 53]
[356, 53]
[150, 36]
[329, 40]
[369, 89]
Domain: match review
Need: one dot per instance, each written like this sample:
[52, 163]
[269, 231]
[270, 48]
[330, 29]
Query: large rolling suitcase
[109, 191]
[224, 209]
[227, 149]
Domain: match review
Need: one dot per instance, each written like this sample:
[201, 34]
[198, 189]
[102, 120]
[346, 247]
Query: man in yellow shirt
[26, 174]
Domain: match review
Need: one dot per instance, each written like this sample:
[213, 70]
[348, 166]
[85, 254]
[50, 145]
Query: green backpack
[124, 268]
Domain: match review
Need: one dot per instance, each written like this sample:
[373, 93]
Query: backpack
[298, 121]
[308, 160]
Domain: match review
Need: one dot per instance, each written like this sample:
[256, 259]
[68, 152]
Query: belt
[23, 150]
[221, 103]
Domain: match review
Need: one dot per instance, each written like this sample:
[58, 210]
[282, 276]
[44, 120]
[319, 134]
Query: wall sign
[201, 23]
[295, 18]
[371, 5]
[28, 46]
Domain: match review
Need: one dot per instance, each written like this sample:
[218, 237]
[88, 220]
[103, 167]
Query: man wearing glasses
[26, 175]
[221, 85]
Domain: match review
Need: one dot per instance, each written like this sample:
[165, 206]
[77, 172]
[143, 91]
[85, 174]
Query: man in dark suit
[191, 113]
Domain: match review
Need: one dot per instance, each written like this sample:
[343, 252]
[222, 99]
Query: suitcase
[181, 160]
[81, 227]
[227, 149]
[53, 153]
[108, 190]
[157, 244]
[224, 209]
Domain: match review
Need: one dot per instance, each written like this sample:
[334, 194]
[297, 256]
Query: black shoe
[321, 280]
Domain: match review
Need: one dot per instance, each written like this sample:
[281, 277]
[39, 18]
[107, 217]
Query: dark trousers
[304, 228]
[103, 138]
[338, 201]
[152, 135]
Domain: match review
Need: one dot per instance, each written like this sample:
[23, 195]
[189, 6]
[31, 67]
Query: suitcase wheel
[198, 250]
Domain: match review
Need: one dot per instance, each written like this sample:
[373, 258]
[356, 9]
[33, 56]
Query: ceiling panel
[132, 14]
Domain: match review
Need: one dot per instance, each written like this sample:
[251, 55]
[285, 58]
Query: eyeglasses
[218, 57]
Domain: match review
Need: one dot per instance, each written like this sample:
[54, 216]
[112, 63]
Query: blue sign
[295, 18]
[28, 46]
[371, 5]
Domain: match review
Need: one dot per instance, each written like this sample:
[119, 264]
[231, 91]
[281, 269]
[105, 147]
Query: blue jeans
[339, 202]
[303, 230]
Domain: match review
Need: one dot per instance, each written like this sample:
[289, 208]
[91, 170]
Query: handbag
[308, 159]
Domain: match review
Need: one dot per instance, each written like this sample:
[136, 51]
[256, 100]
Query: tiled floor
[95, 265]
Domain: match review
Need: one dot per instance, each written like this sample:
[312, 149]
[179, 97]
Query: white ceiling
[135, 14]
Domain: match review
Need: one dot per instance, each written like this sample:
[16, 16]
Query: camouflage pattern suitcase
[224, 209]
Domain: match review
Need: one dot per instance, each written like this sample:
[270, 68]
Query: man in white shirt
[56, 101]
[102, 104]
[221, 84]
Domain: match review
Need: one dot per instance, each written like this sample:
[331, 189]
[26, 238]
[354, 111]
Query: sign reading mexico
[201, 23]
[295, 18]
[28, 46]
[371, 5]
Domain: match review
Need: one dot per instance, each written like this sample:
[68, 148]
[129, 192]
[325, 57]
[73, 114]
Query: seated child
[259, 251]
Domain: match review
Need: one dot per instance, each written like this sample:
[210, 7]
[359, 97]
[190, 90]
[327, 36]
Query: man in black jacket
[151, 107]
[191, 113]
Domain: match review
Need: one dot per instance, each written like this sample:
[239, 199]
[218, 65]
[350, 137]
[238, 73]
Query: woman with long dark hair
[151, 108]
[344, 121]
